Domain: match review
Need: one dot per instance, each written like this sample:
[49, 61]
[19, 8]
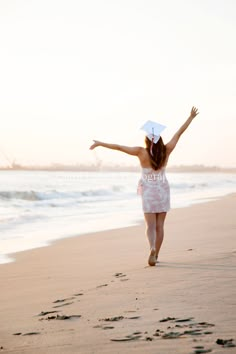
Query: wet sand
[96, 294]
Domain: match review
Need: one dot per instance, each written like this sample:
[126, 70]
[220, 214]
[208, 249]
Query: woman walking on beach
[153, 185]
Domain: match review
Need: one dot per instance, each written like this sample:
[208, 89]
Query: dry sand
[104, 278]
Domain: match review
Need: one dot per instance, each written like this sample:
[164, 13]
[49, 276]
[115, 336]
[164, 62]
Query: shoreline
[11, 257]
[138, 225]
[104, 278]
[38, 210]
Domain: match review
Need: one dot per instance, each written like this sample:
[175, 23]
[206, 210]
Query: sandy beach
[95, 293]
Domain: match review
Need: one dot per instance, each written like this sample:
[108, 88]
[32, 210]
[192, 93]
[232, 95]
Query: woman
[153, 185]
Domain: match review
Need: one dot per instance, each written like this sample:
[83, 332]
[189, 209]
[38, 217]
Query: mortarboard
[153, 131]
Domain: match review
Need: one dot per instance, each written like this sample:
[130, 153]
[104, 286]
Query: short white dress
[154, 189]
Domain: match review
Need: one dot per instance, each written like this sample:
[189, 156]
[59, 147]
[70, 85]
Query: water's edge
[11, 257]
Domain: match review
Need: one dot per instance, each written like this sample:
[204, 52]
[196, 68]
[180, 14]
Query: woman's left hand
[194, 112]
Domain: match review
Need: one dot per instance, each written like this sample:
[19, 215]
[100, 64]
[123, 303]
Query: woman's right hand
[95, 144]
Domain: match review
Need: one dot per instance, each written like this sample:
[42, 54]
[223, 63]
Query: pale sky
[76, 70]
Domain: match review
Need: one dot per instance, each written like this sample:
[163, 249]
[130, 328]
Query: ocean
[38, 207]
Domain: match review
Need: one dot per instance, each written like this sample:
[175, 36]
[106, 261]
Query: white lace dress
[154, 190]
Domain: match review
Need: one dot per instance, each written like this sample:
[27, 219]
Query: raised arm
[172, 143]
[135, 151]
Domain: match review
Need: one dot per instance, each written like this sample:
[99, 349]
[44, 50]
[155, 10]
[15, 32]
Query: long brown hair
[158, 156]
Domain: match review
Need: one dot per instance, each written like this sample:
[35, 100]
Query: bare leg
[150, 219]
[160, 219]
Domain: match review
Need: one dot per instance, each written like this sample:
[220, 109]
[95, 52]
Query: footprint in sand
[149, 339]
[44, 313]
[194, 329]
[130, 337]
[112, 319]
[61, 317]
[119, 318]
[158, 333]
[167, 319]
[103, 327]
[184, 319]
[127, 338]
[63, 300]
[26, 334]
[121, 275]
[226, 343]
[172, 335]
[65, 304]
[101, 286]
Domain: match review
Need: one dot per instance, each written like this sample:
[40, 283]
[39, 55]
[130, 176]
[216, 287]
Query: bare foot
[152, 258]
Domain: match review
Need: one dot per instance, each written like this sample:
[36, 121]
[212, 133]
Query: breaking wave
[55, 194]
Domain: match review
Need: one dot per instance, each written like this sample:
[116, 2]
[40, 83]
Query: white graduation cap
[153, 130]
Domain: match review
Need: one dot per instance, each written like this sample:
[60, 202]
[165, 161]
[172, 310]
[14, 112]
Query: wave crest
[25, 195]
[54, 194]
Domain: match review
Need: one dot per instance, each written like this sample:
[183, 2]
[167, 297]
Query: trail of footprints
[175, 327]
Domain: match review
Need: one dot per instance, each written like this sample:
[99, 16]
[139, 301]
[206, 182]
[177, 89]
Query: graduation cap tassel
[151, 147]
